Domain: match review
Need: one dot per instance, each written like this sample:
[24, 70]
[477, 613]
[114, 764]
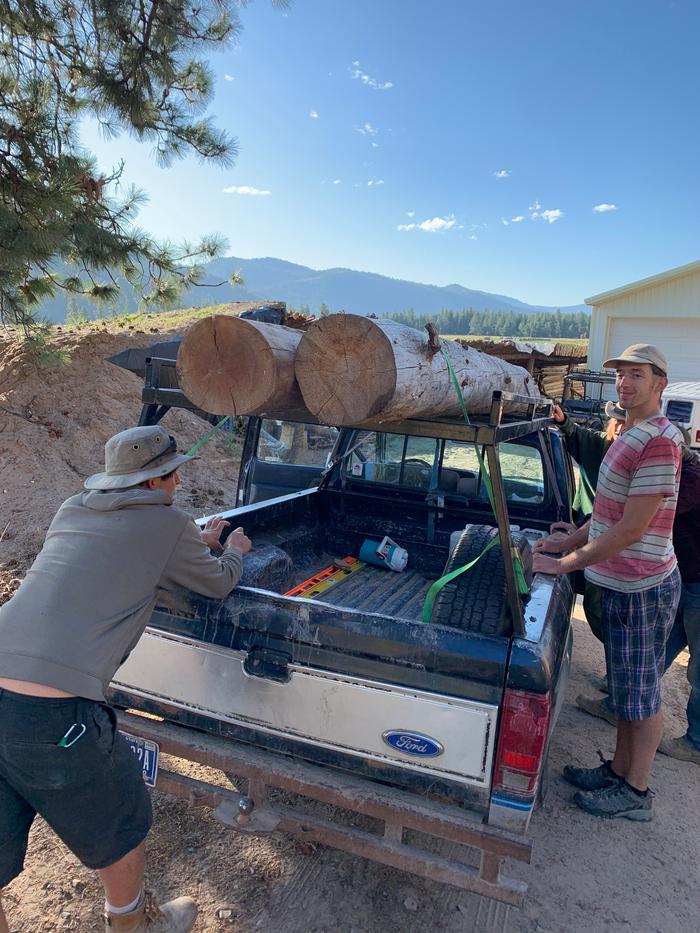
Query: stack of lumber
[550, 379]
[548, 362]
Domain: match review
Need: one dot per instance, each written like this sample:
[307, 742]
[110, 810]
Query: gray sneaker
[616, 802]
[591, 778]
[596, 707]
[680, 748]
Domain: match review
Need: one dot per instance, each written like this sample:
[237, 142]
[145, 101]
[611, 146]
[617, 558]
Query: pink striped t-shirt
[644, 461]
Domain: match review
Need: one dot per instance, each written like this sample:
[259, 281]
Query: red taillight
[697, 437]
[521, 743]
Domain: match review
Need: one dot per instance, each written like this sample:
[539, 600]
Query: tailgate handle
[264, 662]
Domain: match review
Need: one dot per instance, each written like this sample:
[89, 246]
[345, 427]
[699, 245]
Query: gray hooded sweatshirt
[90, 592]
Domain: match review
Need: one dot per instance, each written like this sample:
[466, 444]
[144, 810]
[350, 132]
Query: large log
[352, 369]
[230, 366]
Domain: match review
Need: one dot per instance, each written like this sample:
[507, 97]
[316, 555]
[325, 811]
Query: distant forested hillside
[501, 323]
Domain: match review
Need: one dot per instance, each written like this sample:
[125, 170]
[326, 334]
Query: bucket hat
[135, 455]
[614, 410]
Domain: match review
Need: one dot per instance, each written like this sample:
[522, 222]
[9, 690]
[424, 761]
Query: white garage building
[663, 309]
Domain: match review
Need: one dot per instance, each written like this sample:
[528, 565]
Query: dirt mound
[54, 421]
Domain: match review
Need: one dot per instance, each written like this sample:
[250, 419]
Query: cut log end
[346, 369]
[226, 365]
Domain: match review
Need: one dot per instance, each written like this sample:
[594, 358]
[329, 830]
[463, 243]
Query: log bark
[230, 366]
[352, 369]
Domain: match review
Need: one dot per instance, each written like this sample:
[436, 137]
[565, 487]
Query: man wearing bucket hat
[74, 620]
[626, 548]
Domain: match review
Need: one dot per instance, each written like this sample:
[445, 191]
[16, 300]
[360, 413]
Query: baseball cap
[135, 455]
[639, 353]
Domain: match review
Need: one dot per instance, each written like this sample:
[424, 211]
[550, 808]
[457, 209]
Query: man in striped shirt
[626, 548]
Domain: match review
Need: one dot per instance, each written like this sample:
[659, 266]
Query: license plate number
[147, 753]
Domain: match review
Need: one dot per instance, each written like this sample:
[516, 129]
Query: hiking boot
[596, 707]
[592, 778]
[176, 916]
[601, 683]
[616, 802]
[680, 748]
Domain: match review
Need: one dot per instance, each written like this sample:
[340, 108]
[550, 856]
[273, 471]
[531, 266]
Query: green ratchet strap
[438, 585]
[202, 441]
[443, 581]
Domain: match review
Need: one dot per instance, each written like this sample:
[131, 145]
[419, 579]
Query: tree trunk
[230, 366]
[352, 368]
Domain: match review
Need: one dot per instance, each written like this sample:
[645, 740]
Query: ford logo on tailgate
[412, 743]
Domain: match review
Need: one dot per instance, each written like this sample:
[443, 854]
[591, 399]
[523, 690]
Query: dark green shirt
[587, 447]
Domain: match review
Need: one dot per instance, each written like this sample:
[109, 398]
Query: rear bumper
[510, 814]
[381, 839]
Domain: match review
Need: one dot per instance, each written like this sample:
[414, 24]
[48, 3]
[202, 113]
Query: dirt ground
[586, 875]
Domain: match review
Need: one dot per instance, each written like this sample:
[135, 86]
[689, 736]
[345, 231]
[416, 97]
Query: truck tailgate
[413, 729]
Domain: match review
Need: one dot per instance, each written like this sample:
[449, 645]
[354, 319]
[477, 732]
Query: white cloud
[336, 181]
[502, 173]
[360, 75]
[473, 237]
[505, 222]
[602, 208]
[375, 181]
[229, 78]
[410, 213]
[438, 224]
[434, 225]
[375, 145]
[552, 216]
[518, 219]
[246, 189]
[313, 114]
[367, 129]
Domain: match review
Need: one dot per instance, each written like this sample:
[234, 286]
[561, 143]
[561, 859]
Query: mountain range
[338, 289]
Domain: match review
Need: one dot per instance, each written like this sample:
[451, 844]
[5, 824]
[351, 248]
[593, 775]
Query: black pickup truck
[326, 675]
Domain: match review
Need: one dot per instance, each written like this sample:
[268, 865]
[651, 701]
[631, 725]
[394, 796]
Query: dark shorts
[91, 794]
[636, 627]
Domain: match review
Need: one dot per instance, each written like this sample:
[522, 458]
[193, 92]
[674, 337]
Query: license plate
[147, 753]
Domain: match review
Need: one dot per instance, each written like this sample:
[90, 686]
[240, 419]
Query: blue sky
[406, 138]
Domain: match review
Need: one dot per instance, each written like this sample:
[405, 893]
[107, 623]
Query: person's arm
[585, 445]
[560, 541]
[689, 489]
[211, 533]
[638, 513]
[192, 566]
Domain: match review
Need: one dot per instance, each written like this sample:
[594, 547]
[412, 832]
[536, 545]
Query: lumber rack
[488, 431]
[399, 811]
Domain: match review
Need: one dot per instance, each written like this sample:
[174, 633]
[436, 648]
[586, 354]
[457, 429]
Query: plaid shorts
[635, 629]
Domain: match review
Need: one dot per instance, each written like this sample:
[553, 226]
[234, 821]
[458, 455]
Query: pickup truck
[327, 676]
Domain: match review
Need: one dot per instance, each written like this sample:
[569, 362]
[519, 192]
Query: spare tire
[476, 600]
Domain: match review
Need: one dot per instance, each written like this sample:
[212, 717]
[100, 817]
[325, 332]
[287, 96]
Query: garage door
[678, 338]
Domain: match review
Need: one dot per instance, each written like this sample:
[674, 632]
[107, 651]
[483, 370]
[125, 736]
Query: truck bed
[373, 589]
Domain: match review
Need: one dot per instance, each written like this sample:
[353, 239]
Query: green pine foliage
[501, 323]
[137, 67]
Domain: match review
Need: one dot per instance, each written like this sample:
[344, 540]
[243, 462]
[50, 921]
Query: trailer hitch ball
[246, 805]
